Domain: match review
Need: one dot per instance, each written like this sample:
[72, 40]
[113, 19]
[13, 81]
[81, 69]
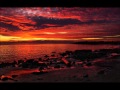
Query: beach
[69, 66]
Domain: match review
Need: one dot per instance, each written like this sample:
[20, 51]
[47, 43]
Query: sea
[9, 53]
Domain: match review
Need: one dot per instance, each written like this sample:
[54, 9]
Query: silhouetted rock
[39, 73]
[57, 66]
[2, 65]
[53, 55]
[4, 78]
[42, 65]
[86, 76]
[74, 76]
[89, 64]
[117, 50]
[115, 57]
[25, 65]
[104, 52]
[46, 56]
[20, 61]
[14, 63]
[82, 54]
[39, 59]
[63, 54]
[95, 55]
[66, 62]
[54, 52]
[101, 72]
[13, 76]
[40, 79]
[68, 52]
[41, 68]
[5, 64]
[30, 61]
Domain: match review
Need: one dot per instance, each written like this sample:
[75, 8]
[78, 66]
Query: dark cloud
[9, 26]
[48, 21]
[5, 34]
[43, 22]
[38, 34]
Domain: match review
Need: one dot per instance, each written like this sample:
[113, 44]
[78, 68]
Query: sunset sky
[59, 23]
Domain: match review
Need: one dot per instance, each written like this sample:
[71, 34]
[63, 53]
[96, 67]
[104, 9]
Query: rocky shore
[69, 66]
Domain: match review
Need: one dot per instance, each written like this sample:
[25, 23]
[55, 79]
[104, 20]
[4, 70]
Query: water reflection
[16, 52]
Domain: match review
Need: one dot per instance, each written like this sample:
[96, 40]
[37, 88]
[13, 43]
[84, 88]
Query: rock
[25, 65]
[41, 68]
[46, 56]
[20, 61]
[40, 79]
[101, 72]
[86, 76]
[74, 76]
[38, 73]
[57, 66]
[30, 61]
[66, 62]
[40, 59]
[82, 54]
[13, 76]
[88, 64]
[4, 78]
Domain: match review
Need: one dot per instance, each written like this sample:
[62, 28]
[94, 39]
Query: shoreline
[69, 66]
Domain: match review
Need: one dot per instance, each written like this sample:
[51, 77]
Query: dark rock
[13, 76]
[4, 78]
[88, 64]
[42, 64]
[20, 61]
[86, 76]
[46, 56]
[82, 54]
[74, 76]
[63, 54]
[52, 55]
[41, 68]
[68, 52]
[39, 59]
[53, 52]
[101, 72]
[57, 66]
[30, 61]
[13, 63]
[69, 64]
[40, 79]
[25, 65]
[66, 62]
[39, 73]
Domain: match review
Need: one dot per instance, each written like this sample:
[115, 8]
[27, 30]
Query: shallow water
[17, 52]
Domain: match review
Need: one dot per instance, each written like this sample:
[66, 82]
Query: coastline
[89, 68]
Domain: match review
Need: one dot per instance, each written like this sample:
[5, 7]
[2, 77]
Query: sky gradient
[59, 23]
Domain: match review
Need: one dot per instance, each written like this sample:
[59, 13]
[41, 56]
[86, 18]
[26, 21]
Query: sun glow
[92, 38]
[8, 38]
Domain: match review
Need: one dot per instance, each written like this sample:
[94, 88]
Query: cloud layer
[58, 23]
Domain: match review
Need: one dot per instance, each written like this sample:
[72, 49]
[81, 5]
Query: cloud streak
[75, 23]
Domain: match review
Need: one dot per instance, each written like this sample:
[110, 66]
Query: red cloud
[19, 21]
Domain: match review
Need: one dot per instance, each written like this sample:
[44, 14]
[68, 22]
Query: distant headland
[60, 42]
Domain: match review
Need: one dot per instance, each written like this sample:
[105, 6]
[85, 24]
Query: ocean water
[17, 52]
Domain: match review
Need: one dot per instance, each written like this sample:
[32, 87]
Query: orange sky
[57, 23]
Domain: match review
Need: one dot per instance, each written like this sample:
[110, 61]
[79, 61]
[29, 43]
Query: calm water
[16, 52]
